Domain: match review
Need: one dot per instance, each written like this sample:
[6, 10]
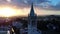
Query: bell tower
[32, 21]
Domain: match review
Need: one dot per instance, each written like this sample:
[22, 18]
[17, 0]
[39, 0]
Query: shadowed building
[32, 22]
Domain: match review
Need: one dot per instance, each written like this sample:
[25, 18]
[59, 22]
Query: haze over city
[29, 16]
[22, 7]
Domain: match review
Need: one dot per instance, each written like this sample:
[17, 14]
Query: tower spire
[32, 10]
[32, 21]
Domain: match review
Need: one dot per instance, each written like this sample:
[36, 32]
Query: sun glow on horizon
[8, 12]
[8, 0]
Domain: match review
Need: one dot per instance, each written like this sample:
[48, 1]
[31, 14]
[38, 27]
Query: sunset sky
[41, 7]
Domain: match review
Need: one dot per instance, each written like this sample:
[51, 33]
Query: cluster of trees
[53, 25]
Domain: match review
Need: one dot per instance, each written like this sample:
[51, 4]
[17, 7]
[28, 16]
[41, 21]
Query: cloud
[47, 4]
[50, 5]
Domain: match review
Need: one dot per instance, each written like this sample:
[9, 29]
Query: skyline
[41, 7]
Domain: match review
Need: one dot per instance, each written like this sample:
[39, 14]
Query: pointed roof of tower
[32, 13]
